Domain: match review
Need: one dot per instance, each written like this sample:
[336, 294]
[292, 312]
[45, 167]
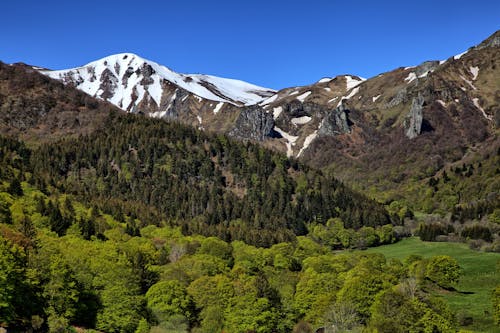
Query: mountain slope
[39, 108]
[128, 80]
[386, 135]
[138, 85]
[414, 123]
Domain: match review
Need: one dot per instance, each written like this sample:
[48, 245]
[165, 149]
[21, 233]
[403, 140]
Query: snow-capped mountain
[129, 81]
[346, 112]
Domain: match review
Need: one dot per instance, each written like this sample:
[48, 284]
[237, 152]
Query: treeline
[209, 184]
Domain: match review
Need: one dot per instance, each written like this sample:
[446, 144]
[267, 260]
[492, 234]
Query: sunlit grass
[479, 276]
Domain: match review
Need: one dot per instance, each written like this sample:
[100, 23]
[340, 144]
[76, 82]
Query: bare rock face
[426, 67]
[335, 122]
[253, 124]
[413, 121]
[400, 97]
[109, 82]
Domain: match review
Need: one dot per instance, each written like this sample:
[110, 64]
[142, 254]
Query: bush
[429, 232]
[477, 231]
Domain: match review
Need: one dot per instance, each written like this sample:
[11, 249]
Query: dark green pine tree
[15, 188]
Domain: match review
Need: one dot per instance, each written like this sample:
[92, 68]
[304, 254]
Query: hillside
[71, 263]
[479, 277]
[386, 136]
[39, 109]
[208, 184]
[107, 219]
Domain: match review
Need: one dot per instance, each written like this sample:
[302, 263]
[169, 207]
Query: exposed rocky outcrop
[426, 67]
[400, 97]
[413, 121]
[253, 124]
[335, 122]
[108, 85]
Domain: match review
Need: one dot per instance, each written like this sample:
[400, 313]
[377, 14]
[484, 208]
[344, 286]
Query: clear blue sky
[270, 43]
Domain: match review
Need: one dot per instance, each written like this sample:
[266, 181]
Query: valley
[137, 199]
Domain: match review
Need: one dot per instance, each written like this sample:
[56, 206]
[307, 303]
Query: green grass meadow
[479, 277]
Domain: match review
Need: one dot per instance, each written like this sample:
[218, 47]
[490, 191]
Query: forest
[206, 184]
[149, 226]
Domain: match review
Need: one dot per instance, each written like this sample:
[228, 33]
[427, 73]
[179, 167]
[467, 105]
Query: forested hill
[210, 185]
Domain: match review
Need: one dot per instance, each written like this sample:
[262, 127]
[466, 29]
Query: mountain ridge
[397, 128]
[131, 67]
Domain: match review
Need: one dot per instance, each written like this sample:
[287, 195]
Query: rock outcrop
[335, 122]
[253, 124]
[413, 121]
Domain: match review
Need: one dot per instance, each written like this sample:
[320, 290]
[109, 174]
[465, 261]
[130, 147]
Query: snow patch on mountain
[277, 111]
[325, 79]
[290, 138]
[411, 76]
[352, 82]
[126, 79]
[301, 120]
[468, 82]
[309, 139]
[352, 93]
[303, 96]
[218, 107]
[333, 99]
[475, 72]
[477, 105]
[458, 56]
[269, 100]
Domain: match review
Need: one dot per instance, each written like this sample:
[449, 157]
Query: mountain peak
[126, 80]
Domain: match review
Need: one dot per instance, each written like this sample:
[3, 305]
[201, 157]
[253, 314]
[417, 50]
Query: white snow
[352, 93]
[301, 120]
[412, 76]
[333, 99]
[303, 96]
[425, 74]
[290, 138]
[374, 99]
[475, 72]
[184, 98]
[327, 89]
[155, 90]
[277, 111]
[199, 119]
[468, 82]
[325, 79]
[443, 104]
[409, 67]
[310, 138]
[125, 71]
[269, 100]
[352, 82]
[458, 56]
[158, 114]
[457, 100]
[294, 93]
[218, 107]
[198, 98]
[476, 103]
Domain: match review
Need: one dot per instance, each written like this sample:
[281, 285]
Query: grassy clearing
[478, 280]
